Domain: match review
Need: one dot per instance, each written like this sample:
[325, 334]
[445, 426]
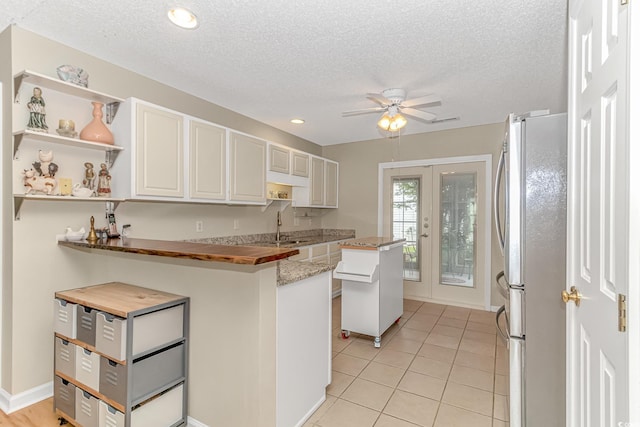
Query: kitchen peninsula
[260, 346]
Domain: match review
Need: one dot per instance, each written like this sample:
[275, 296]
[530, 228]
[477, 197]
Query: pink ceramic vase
[96, 130]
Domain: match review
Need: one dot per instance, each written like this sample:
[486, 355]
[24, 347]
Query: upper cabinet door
[317, 181]
[207, 161]
[159, 152]
[300, 166]
[247, 168]
[331, 184]
[278, 159]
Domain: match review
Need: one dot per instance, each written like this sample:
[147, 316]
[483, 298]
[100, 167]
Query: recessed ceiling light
[297, 121]
[183, 18]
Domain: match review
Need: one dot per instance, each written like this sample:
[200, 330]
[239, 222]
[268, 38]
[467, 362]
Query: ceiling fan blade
[376, 97]
[422, 101]
[363, 111]
[422, 115]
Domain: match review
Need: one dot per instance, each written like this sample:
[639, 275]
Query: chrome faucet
[278, 224]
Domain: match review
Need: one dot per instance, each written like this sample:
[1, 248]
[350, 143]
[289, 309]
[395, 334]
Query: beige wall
[39, 267]
[5, 210]
[359, 173]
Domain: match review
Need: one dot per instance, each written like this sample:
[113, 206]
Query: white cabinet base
[303, 368]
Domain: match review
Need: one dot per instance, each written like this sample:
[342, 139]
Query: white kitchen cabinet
[247, 168]
[299, 164]
[159, 152]
[207, 161]
[331, 184]
[322, 188]
[279, 158]
[316, 186]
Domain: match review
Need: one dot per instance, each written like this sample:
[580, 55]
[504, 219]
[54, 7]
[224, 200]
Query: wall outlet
[296, 220]
[236, 224]
[199, 226]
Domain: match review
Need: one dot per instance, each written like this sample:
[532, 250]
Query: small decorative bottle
[96, 130]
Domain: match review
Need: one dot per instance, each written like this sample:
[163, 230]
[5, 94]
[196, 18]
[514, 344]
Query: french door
[440, 211]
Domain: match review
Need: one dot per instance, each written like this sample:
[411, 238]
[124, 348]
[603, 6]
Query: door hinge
[622, 313]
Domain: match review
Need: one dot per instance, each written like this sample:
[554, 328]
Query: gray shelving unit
[140, 356]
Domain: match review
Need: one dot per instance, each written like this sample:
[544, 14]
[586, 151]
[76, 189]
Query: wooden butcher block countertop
[236, 254]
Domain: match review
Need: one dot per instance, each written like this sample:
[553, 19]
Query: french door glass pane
[404, 222]
[457, 228]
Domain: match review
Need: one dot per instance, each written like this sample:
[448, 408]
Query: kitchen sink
[286, 242]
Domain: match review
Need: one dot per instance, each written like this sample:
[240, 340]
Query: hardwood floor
[39, 415]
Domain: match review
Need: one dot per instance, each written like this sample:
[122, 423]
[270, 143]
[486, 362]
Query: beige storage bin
[65, 357]
[164, 410]
[109, 416]
[150, 331]
[88, 368]
[64, 318]
[86, 409]
[111, 335]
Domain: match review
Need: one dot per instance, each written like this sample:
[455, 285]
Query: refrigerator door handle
[501, 311]
[503, 287]
[496, 200]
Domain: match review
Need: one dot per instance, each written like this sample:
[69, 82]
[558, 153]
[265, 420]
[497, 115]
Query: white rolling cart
[371, 273]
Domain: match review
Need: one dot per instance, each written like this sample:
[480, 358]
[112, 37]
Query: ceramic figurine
[37, 112]
[73, 74]
[80, 191]
[42, 184]
[89, 176]
[104, 181]
[71, 235]
[45, 165]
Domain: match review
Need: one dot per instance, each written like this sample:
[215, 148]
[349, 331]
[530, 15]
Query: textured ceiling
[275, 60]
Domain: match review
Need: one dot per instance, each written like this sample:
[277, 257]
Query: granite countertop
[294, 271]
[292, 239]
[249, 255]
[370, 243]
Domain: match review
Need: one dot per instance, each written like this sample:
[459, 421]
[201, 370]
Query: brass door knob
[574, 296]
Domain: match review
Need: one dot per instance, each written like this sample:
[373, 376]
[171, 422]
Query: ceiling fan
[392, 102]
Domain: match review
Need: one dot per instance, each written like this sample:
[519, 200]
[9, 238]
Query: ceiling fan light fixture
[183, 18]
[392, 123]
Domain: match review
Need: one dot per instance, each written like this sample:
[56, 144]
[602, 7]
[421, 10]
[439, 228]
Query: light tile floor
[440, 366]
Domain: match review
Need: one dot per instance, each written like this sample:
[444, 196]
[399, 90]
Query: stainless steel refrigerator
[530, 208]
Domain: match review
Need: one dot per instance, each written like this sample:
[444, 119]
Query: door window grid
[458, 202]
[405, 215]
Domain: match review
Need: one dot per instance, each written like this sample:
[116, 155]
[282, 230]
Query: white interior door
[597, 252]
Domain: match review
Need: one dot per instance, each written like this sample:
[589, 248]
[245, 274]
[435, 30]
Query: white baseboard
[336, 293]
[11, 403]
[312, 410]
[495, 308]
[191, 422]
